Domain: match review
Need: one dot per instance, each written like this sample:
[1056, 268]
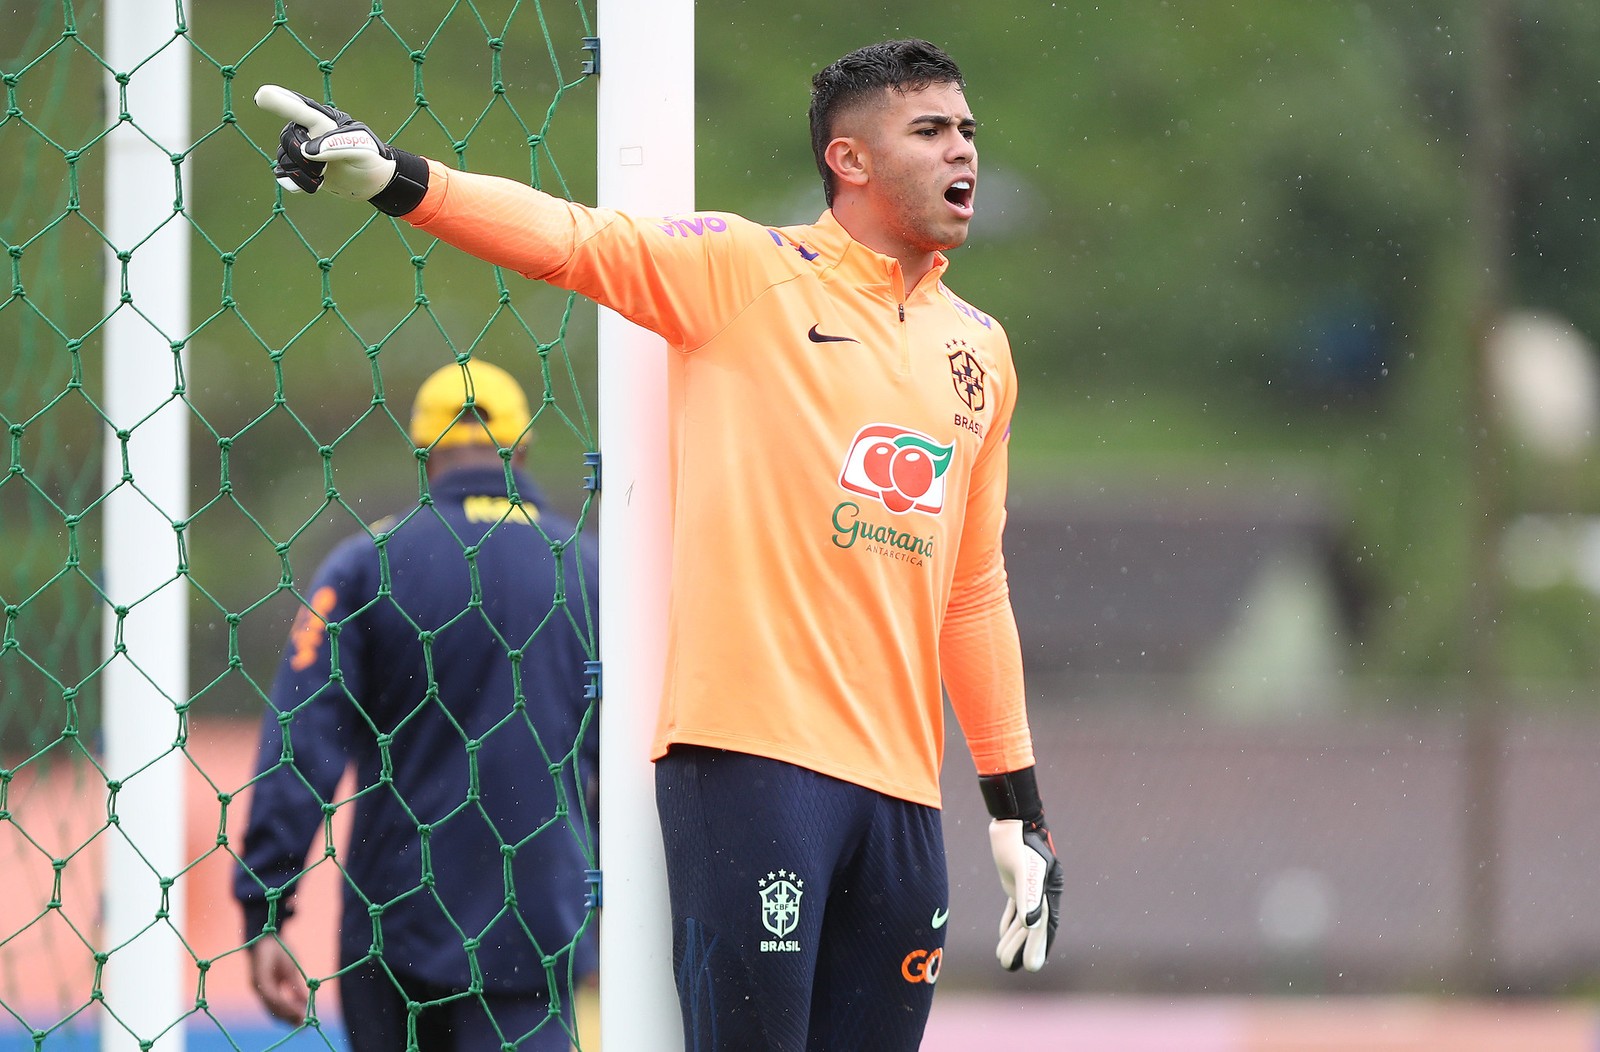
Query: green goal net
[309, 325]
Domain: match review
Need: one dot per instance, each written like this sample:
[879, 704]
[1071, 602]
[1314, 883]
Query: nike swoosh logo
[939, 917]
[822, 337]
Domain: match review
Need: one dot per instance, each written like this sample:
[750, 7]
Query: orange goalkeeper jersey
[839, 453]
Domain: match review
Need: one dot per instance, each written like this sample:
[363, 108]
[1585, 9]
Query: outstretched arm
[656, 272]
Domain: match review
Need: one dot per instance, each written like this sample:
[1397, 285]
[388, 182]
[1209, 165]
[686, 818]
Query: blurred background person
[442, 654]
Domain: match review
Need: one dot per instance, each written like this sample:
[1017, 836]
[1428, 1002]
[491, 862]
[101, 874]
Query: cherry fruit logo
[902, 468]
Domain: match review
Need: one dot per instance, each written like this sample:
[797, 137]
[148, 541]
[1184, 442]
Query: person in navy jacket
[441, 654]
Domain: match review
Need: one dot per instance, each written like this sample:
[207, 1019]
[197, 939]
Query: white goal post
[646, 158]
[146, 624]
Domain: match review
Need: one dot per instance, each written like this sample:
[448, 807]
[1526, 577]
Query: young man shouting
[839, 453]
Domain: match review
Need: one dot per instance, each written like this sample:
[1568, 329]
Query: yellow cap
[498, 416]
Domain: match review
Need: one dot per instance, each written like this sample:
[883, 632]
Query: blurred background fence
[290, 372]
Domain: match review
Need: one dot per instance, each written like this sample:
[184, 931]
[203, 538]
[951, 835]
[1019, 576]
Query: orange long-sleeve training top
[839, 451]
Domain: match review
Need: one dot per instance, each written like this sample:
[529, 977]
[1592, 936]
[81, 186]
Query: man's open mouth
[959, 193]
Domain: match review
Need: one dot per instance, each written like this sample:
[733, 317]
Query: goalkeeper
[840, 420]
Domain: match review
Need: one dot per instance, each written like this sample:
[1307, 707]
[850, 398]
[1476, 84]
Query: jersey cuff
[1014, 795]
[406, 189]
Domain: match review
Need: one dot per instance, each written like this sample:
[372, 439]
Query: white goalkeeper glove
[1030, 873]
[322, 148]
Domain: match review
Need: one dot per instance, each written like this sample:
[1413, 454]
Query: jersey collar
[850, 260]
[461, 483]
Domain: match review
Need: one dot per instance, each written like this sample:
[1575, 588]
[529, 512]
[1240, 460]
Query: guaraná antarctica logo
[902, 468]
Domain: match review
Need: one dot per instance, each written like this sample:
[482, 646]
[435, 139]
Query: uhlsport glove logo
[355, 137]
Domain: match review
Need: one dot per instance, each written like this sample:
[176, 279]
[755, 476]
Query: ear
[848, 157]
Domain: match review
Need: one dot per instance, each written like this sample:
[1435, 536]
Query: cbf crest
[967, 373]
[780, 909]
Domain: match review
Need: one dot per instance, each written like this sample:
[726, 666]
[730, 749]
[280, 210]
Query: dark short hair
[901, 65]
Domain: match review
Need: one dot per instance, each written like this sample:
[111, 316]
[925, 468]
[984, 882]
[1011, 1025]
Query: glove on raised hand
[322, 148]
[1030, 873]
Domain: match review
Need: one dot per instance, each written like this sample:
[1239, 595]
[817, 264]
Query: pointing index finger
[294, 108]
